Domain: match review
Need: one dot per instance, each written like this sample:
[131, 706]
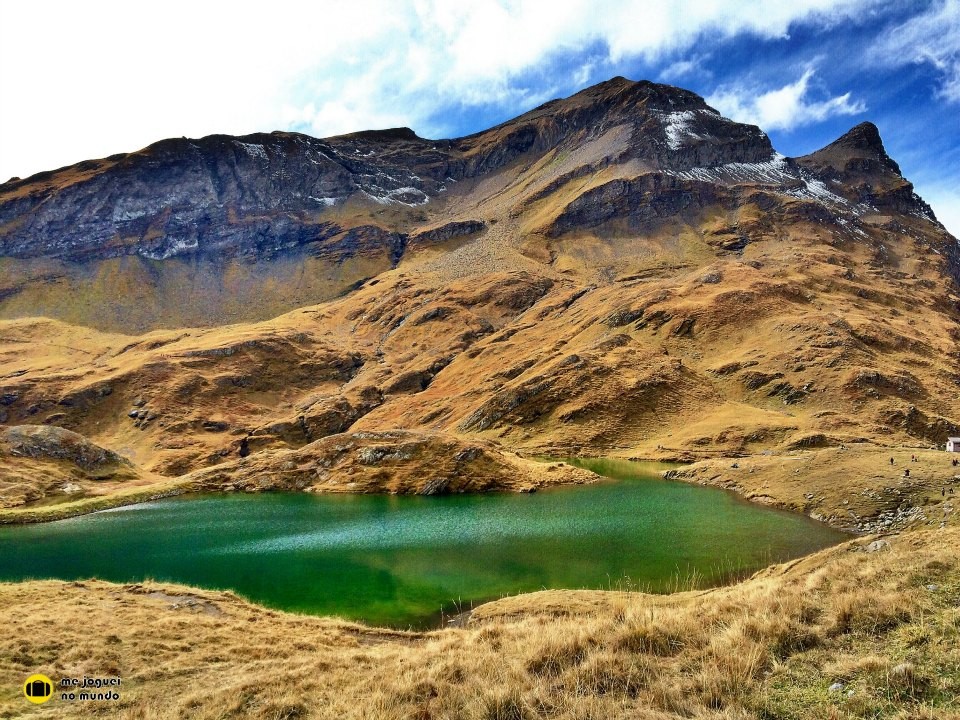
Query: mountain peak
[865, 136]
[385, 135]
[860, 148]
[619, 90]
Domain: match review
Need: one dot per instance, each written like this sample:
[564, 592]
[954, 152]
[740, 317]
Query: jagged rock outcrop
[220, 196]
[445, 232]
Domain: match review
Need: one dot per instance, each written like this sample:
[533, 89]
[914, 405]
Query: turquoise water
[397, 560]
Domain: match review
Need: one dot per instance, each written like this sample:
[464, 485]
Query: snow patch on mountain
[177, 247]
[676, 125]
[409, 196]
[774, 171]
[815, 190]
[254, 150]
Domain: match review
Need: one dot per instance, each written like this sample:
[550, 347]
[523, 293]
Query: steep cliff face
[256, 196]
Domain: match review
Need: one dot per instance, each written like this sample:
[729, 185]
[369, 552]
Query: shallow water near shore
[404, 560]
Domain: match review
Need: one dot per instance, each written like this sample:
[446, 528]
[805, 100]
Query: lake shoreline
[394, 462]
[187, 486]
[195, 485]
[852, 489]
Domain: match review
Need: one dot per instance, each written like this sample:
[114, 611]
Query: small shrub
[610, 673]
[557, 655]
[792, 639]
[649, 637]
[867, 614]
[285, 711]
[507, 705]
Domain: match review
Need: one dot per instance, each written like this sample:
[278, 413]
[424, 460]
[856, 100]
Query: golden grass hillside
[863, 630]
[821, 324]
[855, 487]
[740, 358]
[746, 360]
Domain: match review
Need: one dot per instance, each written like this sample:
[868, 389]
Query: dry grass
[884, 624]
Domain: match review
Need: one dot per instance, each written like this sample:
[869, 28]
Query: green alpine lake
[397, 560]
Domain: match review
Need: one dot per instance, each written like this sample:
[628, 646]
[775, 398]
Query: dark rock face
[255, 196]
[953, 261]
[857, 166]
[447, 231]
[643, 201]
[862, 149]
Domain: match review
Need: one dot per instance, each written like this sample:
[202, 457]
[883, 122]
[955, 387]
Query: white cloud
[931, 37]
[81, 80]
[785, 108]
[682, 68]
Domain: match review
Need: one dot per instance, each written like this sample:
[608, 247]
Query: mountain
[623, 271]
[245, 228]
[261, 195]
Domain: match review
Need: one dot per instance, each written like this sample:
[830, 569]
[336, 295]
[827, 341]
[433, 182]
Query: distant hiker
[913, 458]
[891, 461]
[906, 473]
[956, 462]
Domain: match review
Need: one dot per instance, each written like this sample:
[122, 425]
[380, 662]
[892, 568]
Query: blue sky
[82, 80]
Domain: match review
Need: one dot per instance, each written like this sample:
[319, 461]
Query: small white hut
[953, 444]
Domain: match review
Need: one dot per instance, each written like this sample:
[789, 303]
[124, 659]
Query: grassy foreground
[883, 621]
